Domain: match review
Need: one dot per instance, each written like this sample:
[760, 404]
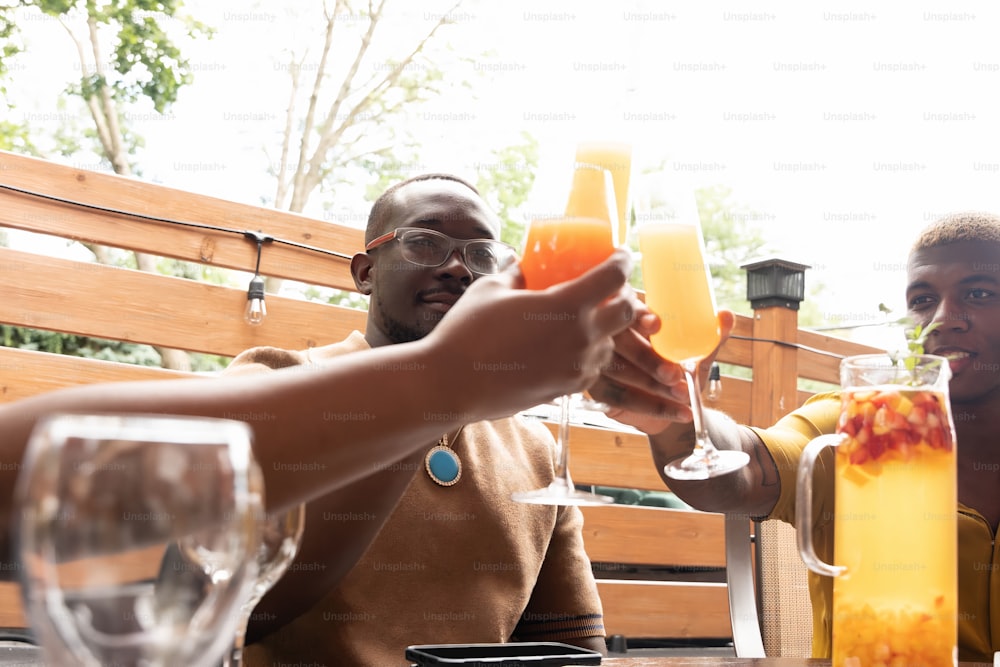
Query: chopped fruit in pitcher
[892, 424]
[893, 637]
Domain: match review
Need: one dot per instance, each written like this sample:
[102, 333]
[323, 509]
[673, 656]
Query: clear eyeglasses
[426, 247]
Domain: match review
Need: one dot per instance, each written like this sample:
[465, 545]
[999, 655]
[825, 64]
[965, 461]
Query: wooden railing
[121, 304]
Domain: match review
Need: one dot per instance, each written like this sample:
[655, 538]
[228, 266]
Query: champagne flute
[101, 499]
[281, 534]
[559, 249]
[616, 157]
[678, 287]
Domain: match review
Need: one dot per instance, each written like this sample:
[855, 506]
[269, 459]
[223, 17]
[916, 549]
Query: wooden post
[775, 288]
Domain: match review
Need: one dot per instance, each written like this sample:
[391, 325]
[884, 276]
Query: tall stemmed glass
[678, 287]
[101, 499]
[616, 157]
[281, 534]
[559, 249]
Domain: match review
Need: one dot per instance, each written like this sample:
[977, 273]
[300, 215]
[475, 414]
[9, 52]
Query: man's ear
[361, 270]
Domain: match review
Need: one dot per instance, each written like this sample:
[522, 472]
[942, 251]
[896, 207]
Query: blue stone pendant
[443, 465]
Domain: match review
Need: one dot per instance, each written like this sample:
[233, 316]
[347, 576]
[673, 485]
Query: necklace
[442, 463]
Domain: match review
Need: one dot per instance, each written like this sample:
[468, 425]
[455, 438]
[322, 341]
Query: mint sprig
[915, 339]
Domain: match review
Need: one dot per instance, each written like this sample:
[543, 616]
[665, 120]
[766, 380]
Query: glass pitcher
[895, 588]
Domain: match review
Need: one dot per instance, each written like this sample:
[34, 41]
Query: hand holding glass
[679, 289]
[556, 250]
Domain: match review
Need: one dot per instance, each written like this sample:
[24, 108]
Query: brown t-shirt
[456, 564]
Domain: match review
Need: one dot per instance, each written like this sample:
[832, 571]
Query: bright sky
[846, 126]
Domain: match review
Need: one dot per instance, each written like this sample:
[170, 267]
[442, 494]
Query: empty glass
[101, 498]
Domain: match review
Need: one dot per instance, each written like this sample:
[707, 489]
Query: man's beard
[397, 331]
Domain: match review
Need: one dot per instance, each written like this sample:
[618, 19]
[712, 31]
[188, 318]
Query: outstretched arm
[649, 393]
[498, 325]
[752, 490]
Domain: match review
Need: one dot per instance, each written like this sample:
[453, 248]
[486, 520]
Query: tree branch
[301, 166]
[294, 70]
[116, 153]
[329, 136]
[95, 111]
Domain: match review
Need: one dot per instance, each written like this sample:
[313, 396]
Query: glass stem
[234, 656]
[703, 446]
[562, 445]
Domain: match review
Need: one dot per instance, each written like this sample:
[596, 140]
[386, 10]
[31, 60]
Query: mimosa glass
[616, 157]
[678, 288]
[557, 250]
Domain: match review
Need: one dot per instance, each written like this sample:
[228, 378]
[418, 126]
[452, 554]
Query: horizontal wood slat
[734, 399]
[22, 211]
[665, 609]
[633, 609]
[11, 607]
[139, 565]
[654, 536]
[611, 458]
[826, 367]
[121, 304]
[738, 350]
[25, 373]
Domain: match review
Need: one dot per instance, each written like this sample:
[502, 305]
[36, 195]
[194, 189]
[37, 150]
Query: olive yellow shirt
[978, 589]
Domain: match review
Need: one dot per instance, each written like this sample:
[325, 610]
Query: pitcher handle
[803, 505]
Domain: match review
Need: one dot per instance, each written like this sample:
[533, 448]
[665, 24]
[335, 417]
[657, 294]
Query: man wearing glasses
[456, 561]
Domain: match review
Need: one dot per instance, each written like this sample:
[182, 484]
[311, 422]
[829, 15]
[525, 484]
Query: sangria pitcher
[895, 588]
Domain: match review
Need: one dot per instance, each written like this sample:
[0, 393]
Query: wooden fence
[122, 304]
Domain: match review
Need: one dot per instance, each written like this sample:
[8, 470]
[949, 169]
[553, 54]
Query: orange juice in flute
[562, 248]
[616, 157]
[559, 249]
[678, 289]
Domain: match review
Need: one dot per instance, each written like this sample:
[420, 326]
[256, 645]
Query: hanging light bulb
[714, 382]
[256, 309]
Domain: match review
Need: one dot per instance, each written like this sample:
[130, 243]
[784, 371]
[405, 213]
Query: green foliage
[78, 346]
[207, 363]
[731, 239]
[146, 61]
[98, 348]
[9, 45]
[336, 297]
[16, 137]
[505, 182]
[915, 339]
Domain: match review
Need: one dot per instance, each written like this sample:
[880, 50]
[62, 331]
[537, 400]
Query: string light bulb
[714, 382]
[256, 308]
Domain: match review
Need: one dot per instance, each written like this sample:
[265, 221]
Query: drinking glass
[558, 249]
[101, 498]
[616, 157]
[281, 534]
[678, 287]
